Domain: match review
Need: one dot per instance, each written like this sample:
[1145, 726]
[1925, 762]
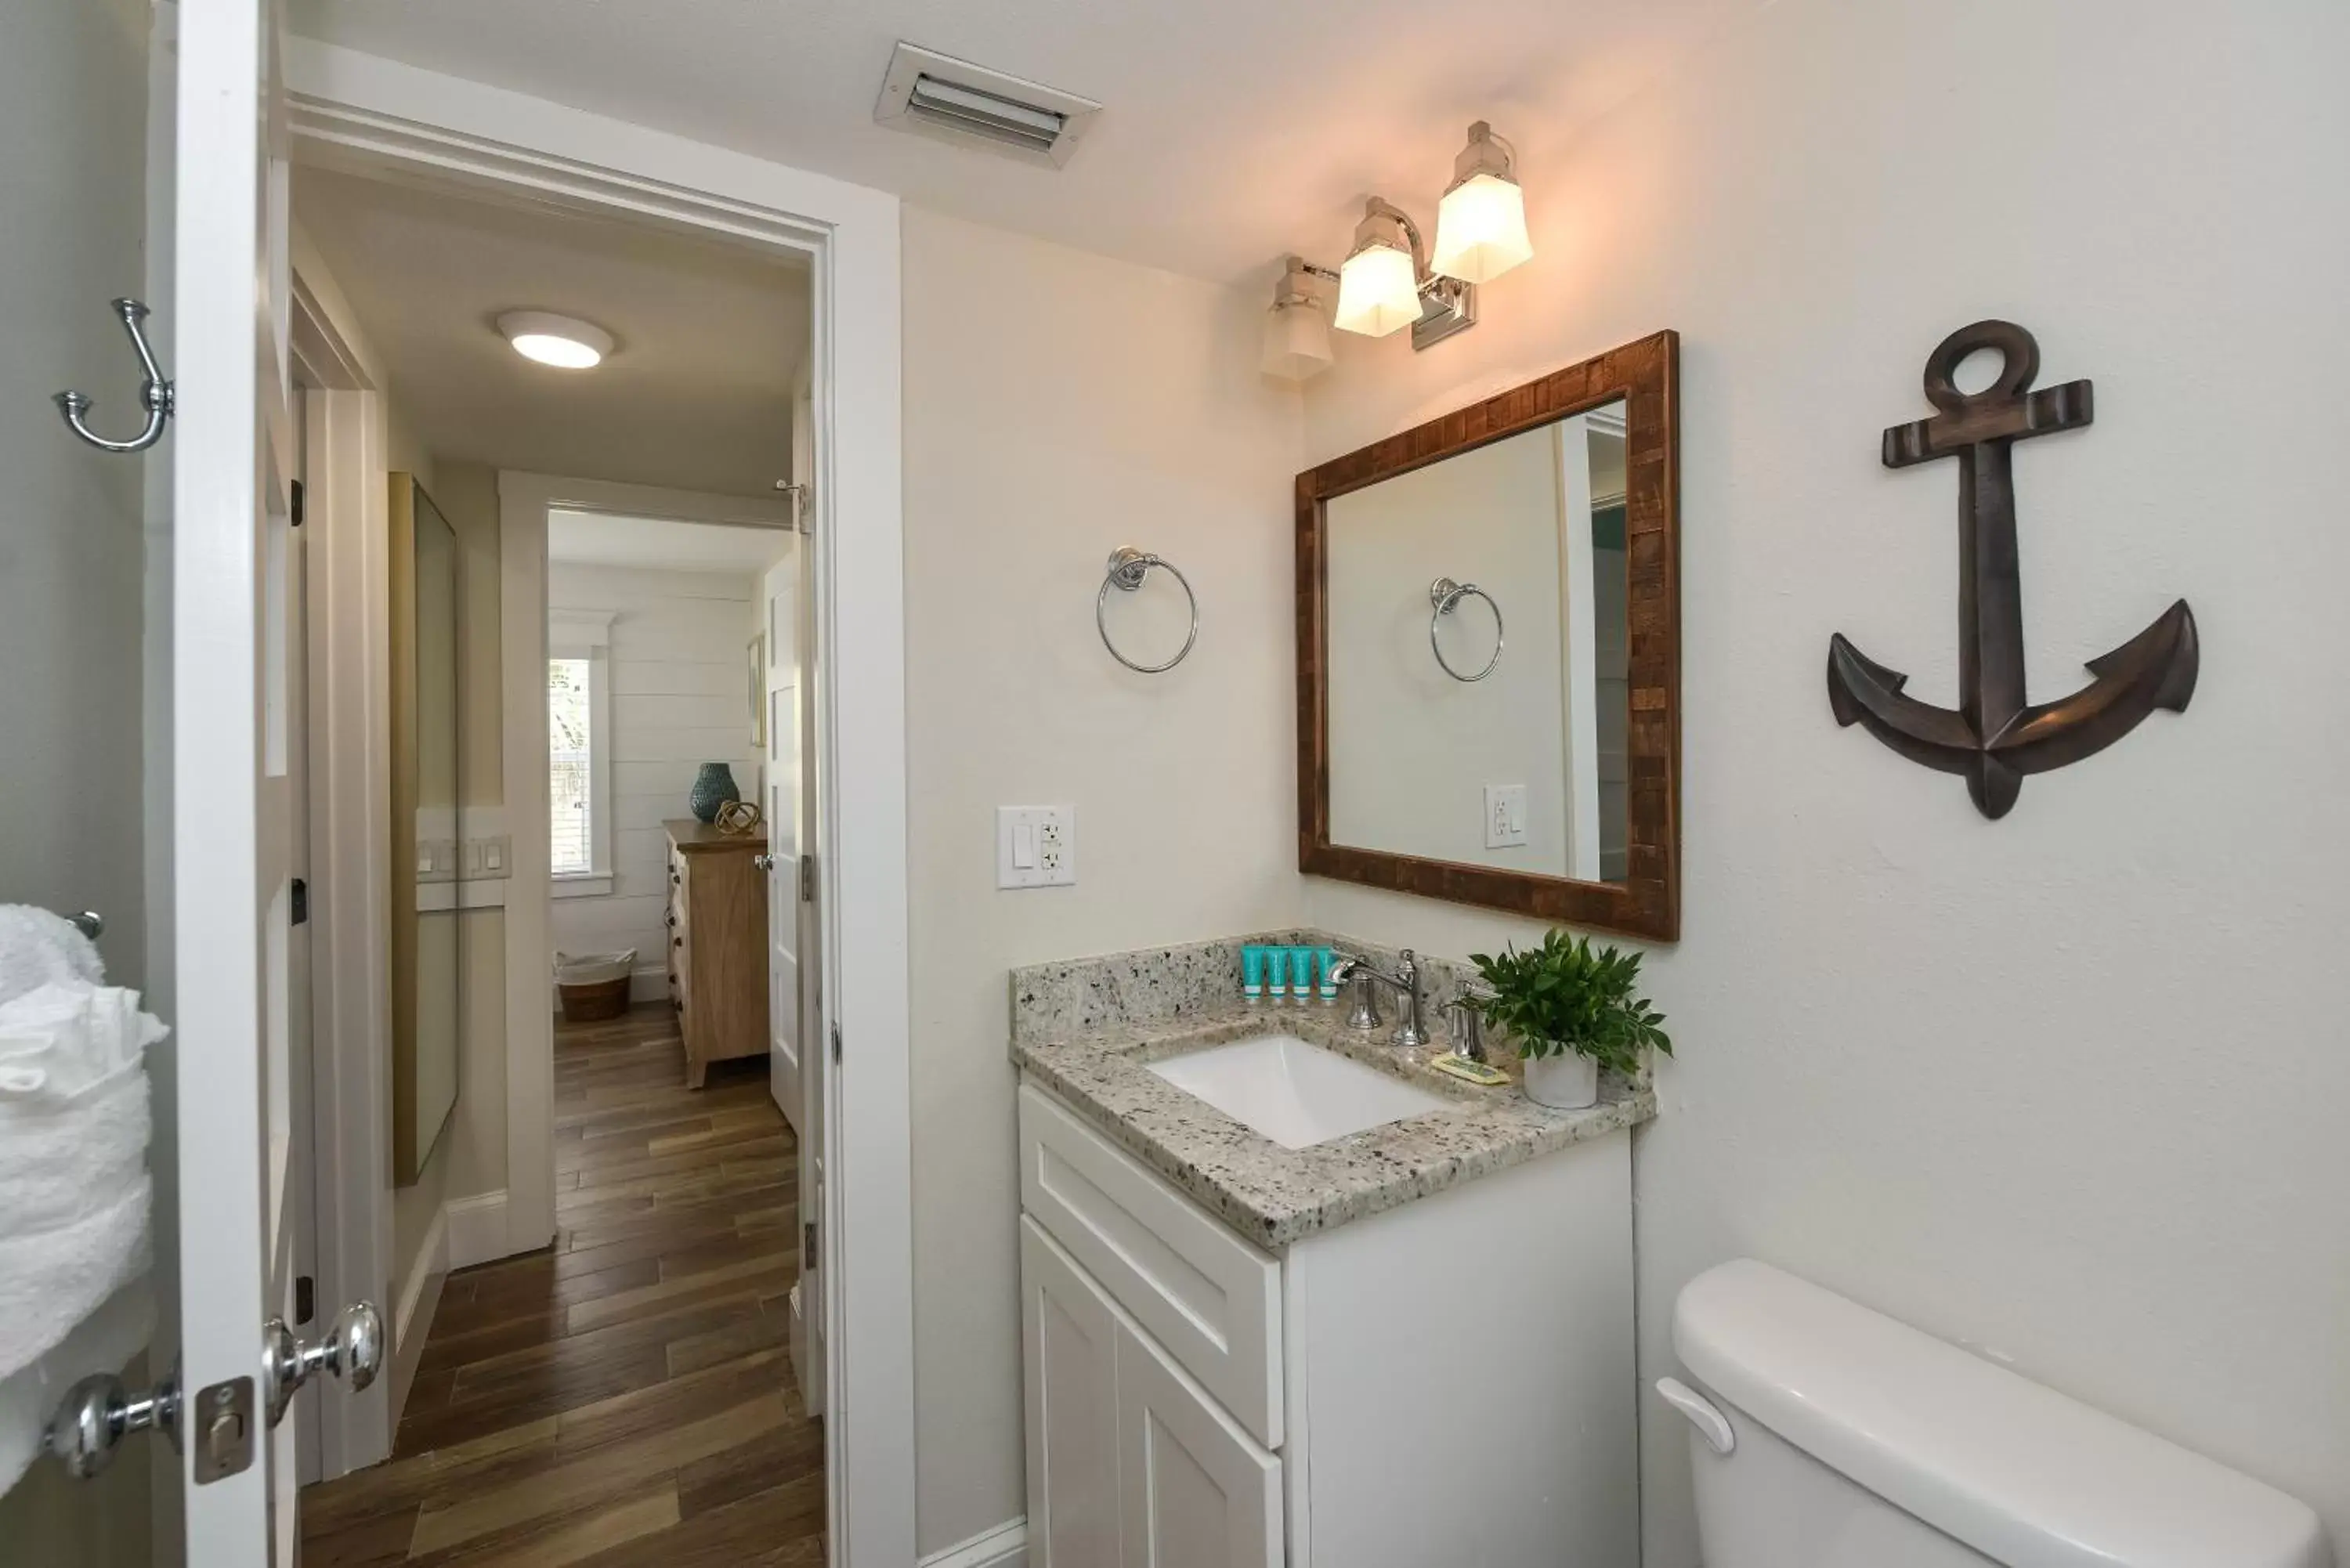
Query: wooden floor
[627, 1396]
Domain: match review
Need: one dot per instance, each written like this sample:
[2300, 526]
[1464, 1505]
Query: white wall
[1059, 405]
[680, 682]
[2069, 1085]
[73, 219]
[1411, 748]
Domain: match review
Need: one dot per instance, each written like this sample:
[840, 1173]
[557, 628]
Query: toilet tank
[1855, 1441]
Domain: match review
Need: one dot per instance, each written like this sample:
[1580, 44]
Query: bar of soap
[1473, 1072]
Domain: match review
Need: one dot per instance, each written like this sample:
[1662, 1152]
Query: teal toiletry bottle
[1305, 973]
[1253, 972]
[1329, 974]
[1276, 973]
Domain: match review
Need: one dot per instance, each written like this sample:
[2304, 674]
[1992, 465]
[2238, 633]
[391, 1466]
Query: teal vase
[713, 786]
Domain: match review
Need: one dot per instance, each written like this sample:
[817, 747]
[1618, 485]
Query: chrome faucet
[1413, 1030]
[1468, 1026]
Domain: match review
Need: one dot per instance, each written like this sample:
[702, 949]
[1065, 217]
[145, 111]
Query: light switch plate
[1505, 816]
[1036, 845]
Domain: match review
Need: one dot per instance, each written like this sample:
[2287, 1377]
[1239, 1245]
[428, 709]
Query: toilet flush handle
[1711, 1423]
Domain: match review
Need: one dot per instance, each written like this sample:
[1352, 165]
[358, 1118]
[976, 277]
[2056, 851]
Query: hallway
[626, 1397]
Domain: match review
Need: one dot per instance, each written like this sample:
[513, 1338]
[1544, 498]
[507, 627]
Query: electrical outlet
[1036, 845]
[1505, 816]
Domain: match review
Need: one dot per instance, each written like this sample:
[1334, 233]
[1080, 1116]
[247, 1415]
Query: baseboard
[1005, 1546]
[420, 1296]
[477, 1230]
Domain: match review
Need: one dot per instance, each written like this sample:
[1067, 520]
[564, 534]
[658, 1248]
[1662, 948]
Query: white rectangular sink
[1297, 1093]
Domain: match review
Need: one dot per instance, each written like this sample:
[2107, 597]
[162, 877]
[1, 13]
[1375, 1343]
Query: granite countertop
[1087, 1032]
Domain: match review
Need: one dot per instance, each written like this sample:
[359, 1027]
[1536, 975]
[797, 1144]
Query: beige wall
[2068, 1084]
[1059, 405]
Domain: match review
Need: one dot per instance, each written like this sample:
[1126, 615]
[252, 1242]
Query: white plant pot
[1566, 1080]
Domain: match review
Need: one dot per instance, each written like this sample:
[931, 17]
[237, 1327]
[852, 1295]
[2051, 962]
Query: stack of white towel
[75, 1195]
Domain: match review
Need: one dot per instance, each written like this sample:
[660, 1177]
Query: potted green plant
[1571, 1011]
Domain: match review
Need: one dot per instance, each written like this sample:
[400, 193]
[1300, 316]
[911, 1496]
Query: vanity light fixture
[1378, 283]
[1297, 328]
[1387, 281]
[1481, 223]
[564, 342]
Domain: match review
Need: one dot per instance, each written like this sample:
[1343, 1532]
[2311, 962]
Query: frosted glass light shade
[1481, 229]
[1296, 340]
[564, 342]
[1377, 292]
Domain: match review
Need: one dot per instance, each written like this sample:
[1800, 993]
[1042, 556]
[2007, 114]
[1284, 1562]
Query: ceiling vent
[955, 100]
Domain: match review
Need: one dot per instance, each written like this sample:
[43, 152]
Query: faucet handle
[1467, 1023]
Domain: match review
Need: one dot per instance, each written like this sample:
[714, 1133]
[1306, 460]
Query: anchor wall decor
[1994, 737]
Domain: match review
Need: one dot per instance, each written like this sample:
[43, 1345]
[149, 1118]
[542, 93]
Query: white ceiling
[589, 539]
[697, 396]
[1232, 130]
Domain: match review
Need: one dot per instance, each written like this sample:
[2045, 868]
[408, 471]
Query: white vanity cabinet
[1130, 1459]
[1449, 1381]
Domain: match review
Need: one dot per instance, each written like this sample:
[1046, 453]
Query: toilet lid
[2017, 1471]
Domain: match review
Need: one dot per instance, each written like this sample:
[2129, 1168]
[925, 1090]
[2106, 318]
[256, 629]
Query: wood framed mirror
[1488, 652]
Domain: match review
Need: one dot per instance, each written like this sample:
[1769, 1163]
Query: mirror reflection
[1479, 655]
[427, 836]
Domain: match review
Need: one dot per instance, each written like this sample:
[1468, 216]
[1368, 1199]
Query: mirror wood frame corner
[1644, 375]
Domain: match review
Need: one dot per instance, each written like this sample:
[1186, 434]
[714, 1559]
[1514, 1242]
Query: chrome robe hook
[156, 394]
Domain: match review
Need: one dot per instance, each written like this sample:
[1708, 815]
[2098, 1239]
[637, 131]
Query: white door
[1068, 1346]
[1194, 1489]
[779, 613]
[233, 609]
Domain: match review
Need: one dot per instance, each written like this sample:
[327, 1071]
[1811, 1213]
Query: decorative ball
[738, 818]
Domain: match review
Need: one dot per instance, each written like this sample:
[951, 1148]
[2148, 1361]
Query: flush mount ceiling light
[1387, 280]
[564, 342]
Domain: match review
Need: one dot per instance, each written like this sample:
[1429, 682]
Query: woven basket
[594, 1002]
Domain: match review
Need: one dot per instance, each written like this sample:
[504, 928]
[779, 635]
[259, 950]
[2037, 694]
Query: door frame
[360, 110]
[523, 500]
[349, 737]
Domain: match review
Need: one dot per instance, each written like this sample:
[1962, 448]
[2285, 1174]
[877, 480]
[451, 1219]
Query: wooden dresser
[717, 943]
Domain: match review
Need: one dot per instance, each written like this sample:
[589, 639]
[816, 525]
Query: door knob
[98, 1413]
[352, 1350]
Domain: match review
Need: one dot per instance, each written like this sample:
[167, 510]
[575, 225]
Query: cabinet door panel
[1195, 1491]
[1068, 1339]
[1208, 1298]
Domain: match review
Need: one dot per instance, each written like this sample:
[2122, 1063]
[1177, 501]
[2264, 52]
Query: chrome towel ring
[156, 393]
[1444, 593]
[1127, 568]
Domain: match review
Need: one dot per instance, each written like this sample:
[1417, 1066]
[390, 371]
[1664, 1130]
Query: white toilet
[1826, 1436]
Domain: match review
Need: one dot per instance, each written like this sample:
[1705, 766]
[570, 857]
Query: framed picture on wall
[756, 650]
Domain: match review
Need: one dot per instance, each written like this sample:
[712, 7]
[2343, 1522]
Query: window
[578, 752]
[569, 760]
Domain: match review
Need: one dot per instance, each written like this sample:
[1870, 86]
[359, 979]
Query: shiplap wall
[680, 697]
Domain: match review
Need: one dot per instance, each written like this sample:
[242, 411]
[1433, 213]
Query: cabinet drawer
[1210, 1298]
